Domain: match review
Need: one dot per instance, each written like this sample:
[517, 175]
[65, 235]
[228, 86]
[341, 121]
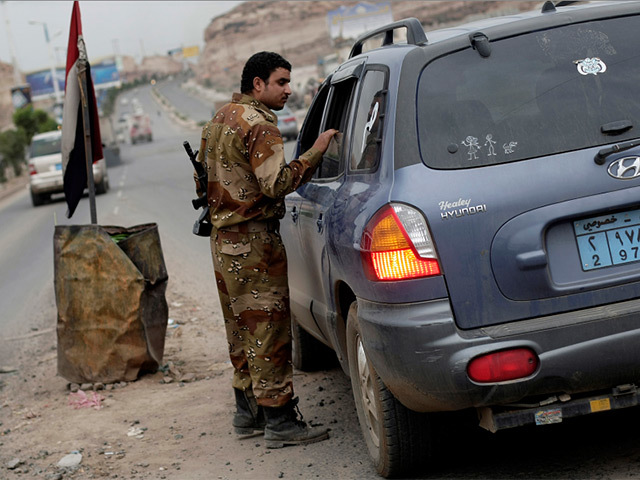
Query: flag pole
[86, 127]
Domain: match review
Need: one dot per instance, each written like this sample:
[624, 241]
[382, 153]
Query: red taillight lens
[32, 169]
[397, 245]
[504, 365]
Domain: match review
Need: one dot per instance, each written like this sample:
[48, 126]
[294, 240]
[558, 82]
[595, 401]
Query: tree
[33, 121]
[13, 143]
[12, 149]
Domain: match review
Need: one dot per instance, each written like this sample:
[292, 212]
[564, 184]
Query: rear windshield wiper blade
[602, 155]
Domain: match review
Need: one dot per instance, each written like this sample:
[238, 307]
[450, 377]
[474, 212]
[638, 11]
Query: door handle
[294, 214]
[320, 223]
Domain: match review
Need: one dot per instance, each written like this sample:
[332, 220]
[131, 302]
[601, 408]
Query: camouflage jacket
[244, 155]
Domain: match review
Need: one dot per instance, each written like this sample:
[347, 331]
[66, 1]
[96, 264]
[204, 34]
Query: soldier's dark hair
[261, 65]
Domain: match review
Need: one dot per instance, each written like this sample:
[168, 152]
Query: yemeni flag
[74, 158]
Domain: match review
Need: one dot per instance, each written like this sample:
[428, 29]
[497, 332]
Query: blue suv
[473, 239]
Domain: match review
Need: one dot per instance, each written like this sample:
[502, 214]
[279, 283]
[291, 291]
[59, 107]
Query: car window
[336, 116]
[45, 146]
[311, 126]
[367, 130]
[542, 93]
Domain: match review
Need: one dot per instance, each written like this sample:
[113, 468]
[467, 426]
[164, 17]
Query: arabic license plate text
[608, 240]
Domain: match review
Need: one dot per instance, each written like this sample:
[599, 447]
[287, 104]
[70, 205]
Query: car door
[300, 283]
[319, 195]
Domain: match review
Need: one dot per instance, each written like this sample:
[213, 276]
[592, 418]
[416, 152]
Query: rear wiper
[602, 155]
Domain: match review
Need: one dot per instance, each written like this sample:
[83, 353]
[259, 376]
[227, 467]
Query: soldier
[248, 180]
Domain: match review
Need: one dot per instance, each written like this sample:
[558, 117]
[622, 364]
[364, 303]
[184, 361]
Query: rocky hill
[298, 30]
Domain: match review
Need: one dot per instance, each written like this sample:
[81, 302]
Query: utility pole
[52, 67]
[17, 78]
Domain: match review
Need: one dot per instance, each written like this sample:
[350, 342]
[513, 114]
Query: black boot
[249, 417]
[284, 428]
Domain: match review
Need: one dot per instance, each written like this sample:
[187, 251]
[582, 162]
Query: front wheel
[398, 439]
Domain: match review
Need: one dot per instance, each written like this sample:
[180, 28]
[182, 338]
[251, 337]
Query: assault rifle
[203, 226]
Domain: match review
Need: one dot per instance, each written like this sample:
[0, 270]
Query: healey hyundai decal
[459, 208]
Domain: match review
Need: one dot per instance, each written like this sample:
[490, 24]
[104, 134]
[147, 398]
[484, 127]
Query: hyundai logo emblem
[625, 168]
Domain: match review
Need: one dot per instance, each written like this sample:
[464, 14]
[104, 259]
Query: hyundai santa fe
[473, 239]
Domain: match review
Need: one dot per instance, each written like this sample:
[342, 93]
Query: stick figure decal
[490, 142]
[509, 147]
[472, 144]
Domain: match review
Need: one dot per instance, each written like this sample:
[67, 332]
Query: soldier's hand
[322, 143]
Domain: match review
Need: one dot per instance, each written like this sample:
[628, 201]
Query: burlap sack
[112, 311]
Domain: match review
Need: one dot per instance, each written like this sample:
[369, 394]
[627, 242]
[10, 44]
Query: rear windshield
[537, 94]
[45, 146]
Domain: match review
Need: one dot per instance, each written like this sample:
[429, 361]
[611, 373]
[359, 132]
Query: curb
[177, 117]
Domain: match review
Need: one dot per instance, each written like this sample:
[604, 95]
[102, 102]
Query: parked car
[140, 128]
[475, 241]
[287, 124]
[45, 168]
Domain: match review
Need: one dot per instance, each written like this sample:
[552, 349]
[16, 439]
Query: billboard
[104, 74]
[42, 85]
[20, 96]
[190, 51]
[352, 21]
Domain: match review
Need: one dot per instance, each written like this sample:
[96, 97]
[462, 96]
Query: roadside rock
[70, 461]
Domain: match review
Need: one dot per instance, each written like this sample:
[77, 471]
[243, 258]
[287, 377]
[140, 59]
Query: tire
[37, 199]
[103, 186]
[399, 440]
[309, 354]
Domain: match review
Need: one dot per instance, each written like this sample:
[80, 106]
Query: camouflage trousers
[251, 276]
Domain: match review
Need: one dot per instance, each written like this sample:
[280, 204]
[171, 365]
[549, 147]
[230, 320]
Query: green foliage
[12, 150]
[13, 143]
[33, 121]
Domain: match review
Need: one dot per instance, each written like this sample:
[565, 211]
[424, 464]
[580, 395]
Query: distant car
[287, 124]
[121, 129]
[45, 168]
[140, 130]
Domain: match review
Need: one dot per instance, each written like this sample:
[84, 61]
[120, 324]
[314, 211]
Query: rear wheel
[103, 186]
[398, 439]
[37, 199]
[308, 353]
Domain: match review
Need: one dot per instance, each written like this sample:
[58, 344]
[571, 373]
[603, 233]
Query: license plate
[608, 240]
[58, 166]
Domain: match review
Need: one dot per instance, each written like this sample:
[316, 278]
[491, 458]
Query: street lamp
[56, 89]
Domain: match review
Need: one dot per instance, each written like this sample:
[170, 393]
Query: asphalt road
[153, 183]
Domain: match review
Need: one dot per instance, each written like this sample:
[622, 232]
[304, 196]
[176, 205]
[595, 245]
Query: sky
[109, 27]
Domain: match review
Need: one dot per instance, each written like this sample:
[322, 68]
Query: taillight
[503, 365]
[32, 169]
[396, 245]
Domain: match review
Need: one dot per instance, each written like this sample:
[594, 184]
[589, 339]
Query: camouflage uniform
[248, 179]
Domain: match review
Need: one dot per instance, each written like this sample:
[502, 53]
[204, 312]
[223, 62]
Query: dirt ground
[173, 424]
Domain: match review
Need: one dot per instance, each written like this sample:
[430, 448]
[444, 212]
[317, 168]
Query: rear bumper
[52, 182]
[422, 356]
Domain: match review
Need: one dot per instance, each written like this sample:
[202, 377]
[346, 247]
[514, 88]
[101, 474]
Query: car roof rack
[415, 34]
[549, 6]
